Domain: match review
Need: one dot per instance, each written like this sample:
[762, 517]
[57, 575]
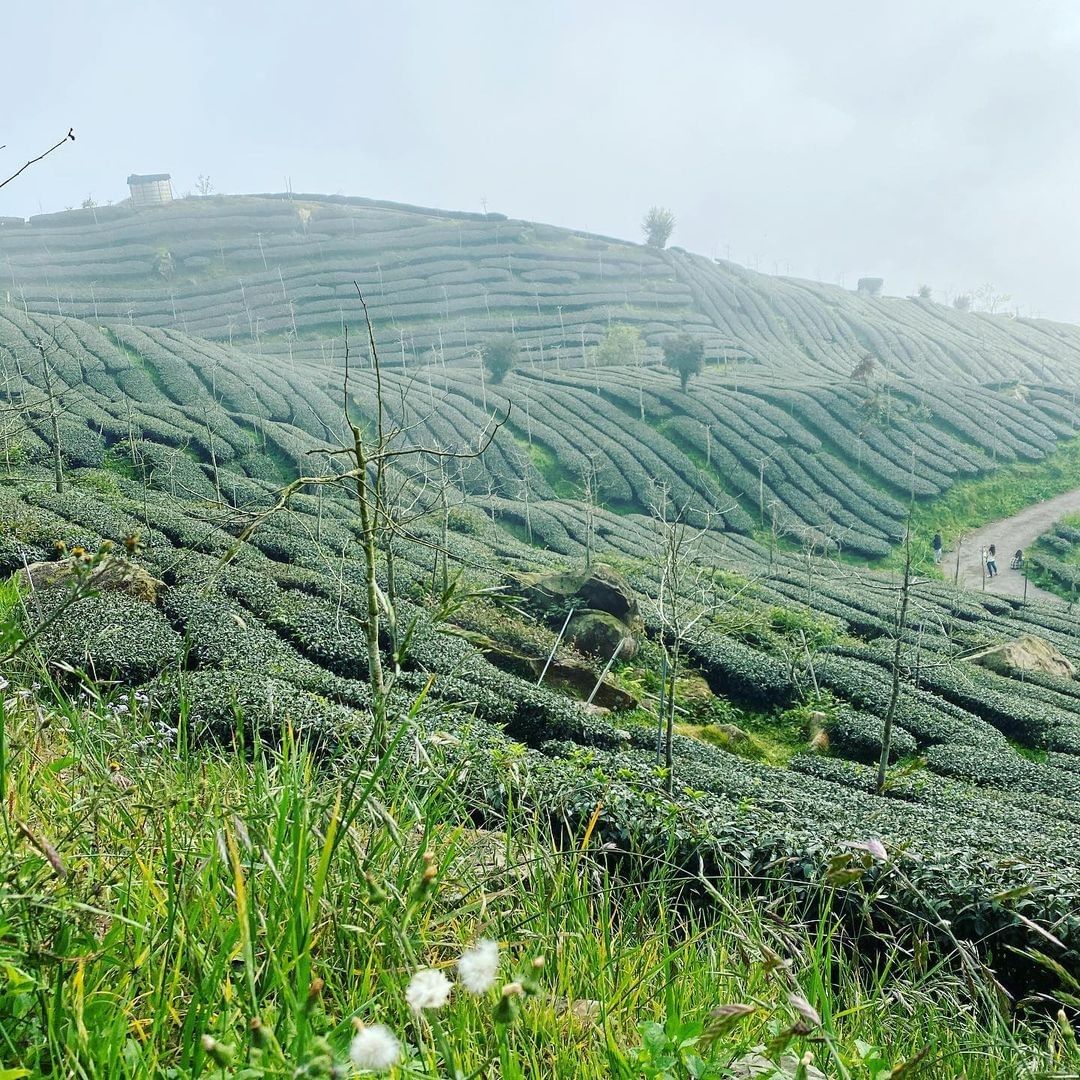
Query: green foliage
[737, 671]
[501, 356]
[971, 503]
[1053, 561]
[244, 906]
[111, 635]
[685, 354]
[858, 735]
[658, 225]
[621, 344]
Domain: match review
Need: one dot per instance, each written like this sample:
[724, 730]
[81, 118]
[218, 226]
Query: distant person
[991, 561]
[1018, 559]
[937, 547]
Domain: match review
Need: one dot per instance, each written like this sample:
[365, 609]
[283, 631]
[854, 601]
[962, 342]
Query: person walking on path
[991, 560]
[937, 547]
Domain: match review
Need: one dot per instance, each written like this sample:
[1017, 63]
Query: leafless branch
[33, 161]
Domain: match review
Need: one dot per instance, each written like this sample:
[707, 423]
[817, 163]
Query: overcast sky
[915, 141]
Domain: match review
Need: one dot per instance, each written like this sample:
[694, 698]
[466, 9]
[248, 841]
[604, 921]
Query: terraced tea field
[190, 361]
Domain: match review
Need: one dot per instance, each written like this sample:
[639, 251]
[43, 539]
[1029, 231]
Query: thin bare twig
[33, 161]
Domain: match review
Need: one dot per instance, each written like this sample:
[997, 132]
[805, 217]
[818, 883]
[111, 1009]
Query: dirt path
[1018, 531]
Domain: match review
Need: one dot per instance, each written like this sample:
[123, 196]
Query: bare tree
[590, 495]
[899, 624]
[373, 455]
[685, 601]
[27, 405]
[54, 420]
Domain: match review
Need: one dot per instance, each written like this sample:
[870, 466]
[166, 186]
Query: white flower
[479, 966]
[876, 849]
[427, 989]
[374, 1048]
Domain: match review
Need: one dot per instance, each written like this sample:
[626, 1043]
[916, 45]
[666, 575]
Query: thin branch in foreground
[33, 161]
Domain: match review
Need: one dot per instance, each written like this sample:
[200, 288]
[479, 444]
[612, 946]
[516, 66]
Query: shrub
[111, 636]
[658, 225]
[501, 356]
[858, 735]
[219, 704]
[734, 670]
[685, 354]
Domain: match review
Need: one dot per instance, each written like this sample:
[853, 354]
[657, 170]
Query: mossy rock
[1026, 653]
[566, 673]
[695, 695]
[599, 634]
[111, 574]
[600, 589]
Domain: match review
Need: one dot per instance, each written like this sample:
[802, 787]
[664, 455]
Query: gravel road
[1018, 531]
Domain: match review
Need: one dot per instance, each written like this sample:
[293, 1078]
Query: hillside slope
[169, 431]
[275, 274]
[832, 464]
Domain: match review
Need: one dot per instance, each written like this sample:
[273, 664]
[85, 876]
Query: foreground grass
[167, 911]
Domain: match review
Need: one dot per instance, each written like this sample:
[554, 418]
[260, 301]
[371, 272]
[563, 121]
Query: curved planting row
[276, 274]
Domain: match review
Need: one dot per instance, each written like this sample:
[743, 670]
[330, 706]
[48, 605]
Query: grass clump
[258, 912]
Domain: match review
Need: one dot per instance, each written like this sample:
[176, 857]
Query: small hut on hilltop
[154, 189]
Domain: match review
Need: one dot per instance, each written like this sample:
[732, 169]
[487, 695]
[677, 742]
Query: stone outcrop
[599, 588]
[605, 609]
[111, 574]
[599, 634]
[1027, 653]
[566, 672]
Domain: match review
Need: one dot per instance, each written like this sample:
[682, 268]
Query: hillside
[190, 359]
[275, 273]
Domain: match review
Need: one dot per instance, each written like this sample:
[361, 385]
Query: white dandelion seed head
[427, 989]
[374, 1048]
[479, 966]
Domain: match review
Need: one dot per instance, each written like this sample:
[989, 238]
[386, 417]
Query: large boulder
[1027, 653]
[112, 574]
[599, 588]
[577, 677]
[599, 634]
[567, 672]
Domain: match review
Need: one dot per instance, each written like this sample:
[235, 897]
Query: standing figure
[991, 560]
[937, 547]
[1018, 559]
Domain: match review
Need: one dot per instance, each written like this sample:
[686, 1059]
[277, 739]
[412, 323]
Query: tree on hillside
[500, 356]
[899, 626]
[866, 371]
[990, 299]
[385, 473]
[685, 354]
[658, 225]
[622, 344]
[925, 292]
[962, 302]
[684, 605]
